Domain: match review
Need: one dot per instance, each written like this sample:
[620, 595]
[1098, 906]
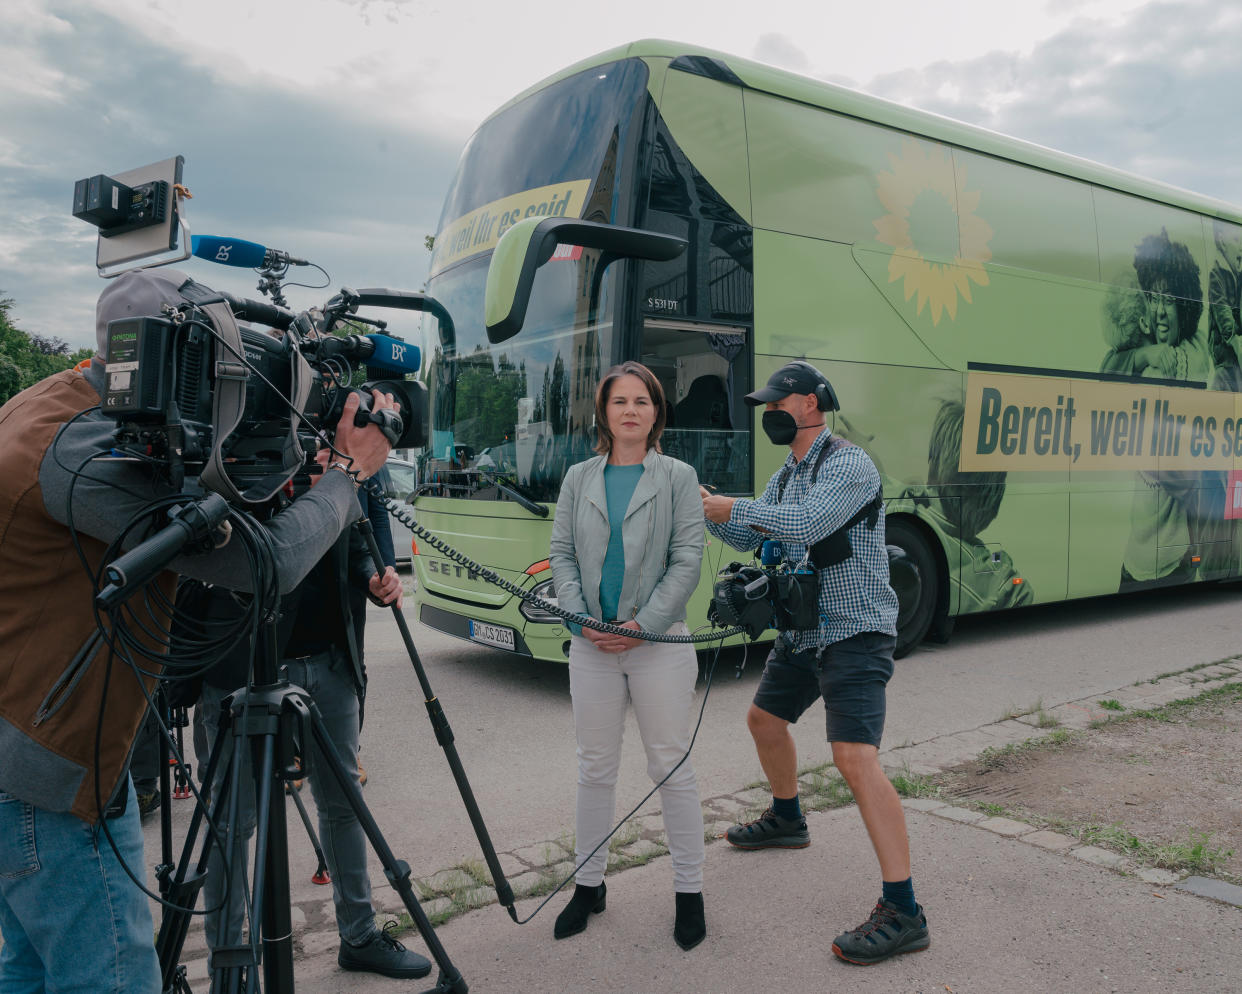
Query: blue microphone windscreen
[400, 357]
[228, 251]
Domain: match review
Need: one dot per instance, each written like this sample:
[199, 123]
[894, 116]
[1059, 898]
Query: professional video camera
[241, 409]
[772, 595]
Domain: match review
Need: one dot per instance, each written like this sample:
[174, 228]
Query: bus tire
[916, 580]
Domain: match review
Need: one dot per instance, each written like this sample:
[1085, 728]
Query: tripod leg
[444, 735]
[397, 871]
[321, 875]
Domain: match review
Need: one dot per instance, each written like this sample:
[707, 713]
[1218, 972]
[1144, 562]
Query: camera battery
[136, 368]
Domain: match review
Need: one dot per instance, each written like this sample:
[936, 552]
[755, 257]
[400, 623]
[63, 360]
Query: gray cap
[135, 294]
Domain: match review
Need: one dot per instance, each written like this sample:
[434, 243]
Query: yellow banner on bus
[1021, 422]
[479, 230]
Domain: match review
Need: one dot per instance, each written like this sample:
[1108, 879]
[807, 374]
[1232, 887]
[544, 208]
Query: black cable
[707, 688]
[407, 519]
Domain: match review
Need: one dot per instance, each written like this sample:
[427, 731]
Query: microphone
[239, 252]
[382, 351]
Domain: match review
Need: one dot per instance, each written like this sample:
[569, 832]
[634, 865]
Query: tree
[25, 359]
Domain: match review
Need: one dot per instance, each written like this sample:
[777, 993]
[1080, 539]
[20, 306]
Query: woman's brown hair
[603, 441]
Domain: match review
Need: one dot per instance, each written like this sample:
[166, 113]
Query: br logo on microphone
[398, 353]
[222, 253]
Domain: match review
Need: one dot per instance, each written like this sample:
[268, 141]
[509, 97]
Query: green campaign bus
[1041, 354]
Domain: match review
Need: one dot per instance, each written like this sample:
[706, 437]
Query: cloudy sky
[330, 128]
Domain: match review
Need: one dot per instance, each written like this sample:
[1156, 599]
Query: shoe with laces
[770, 831]
[886, 932]
[383, 955]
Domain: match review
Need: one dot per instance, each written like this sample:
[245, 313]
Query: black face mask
[781, 427]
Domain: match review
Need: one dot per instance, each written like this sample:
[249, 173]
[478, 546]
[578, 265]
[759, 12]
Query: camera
[202, 396]
[756, 598]
[242, 409]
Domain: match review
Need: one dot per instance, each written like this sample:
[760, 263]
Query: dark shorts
[851, 677]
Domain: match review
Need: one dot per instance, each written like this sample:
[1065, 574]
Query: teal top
[619, 484]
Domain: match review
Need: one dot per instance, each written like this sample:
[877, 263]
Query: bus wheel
[916, 581]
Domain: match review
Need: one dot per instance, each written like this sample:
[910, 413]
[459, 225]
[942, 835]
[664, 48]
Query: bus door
[705, 372]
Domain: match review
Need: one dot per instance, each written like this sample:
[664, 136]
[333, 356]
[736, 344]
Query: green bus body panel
[977, 303]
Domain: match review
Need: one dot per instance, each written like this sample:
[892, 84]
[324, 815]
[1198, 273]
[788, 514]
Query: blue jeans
[327, 680]
[71, 917]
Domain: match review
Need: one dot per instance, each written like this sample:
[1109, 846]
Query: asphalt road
[514, 734]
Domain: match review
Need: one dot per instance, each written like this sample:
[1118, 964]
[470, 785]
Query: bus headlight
[544, 591]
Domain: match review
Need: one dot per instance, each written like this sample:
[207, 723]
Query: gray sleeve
[107, 494]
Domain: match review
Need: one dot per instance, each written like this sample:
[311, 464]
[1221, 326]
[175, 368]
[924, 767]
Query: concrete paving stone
[716, 828]
[644, 848]
[729, 806]
[922, 803]
[319, 942]
[1073, 715]
[1006, 826]
[297, 916]
[436, 906]
[1010, 730]
[647, 824]
[964, 815]
[1217, 890]
[972, 742]
[1051, 840]
[941, 754]
[450, 880]
[1100, 857]
[511, 865]
[523, 883]
[1158, 875]
[753, 795]
[542, 853]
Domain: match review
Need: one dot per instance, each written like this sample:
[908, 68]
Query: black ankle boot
[690, 928]
[586, 900]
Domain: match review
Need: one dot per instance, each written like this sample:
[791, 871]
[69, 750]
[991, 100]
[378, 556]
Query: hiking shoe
[769, 831]
[887, 932]
[383, 955]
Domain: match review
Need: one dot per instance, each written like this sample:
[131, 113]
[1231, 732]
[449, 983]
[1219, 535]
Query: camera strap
[228, 402]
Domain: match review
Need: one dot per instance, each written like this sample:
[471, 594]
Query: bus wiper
[508, 487]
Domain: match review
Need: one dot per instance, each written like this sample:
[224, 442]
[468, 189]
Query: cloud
[341, 185]
[779, 50]
[1150, 93]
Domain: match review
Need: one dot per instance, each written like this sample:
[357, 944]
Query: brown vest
[50, 690]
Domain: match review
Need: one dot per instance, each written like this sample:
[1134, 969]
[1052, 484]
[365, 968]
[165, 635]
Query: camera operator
[827, 486]
[68, 716]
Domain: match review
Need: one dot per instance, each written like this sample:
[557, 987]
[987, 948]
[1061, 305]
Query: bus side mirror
[530, 243]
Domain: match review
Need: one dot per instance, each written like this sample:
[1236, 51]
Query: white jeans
[659, 678]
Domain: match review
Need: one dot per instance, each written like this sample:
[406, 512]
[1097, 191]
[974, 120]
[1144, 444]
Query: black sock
[786, 807]
[901, 893]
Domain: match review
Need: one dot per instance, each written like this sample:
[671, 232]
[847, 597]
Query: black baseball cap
[793, 377]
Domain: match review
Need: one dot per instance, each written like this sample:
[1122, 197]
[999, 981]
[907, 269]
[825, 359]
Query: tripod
[279, 721]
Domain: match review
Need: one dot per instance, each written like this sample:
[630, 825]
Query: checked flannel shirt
[854, 596]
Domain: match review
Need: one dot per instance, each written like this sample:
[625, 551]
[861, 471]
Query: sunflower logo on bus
[931, 217]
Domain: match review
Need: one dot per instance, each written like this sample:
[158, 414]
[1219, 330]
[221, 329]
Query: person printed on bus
[826, 487]
[1178, 530]
[960, 506]
[627, 548]
[1225, 308]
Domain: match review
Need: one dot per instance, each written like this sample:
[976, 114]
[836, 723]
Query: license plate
[492, 634]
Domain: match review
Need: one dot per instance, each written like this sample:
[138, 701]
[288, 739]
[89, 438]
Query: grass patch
[1111, 704]
[1195, 855]
[910, 784]
[997, 757]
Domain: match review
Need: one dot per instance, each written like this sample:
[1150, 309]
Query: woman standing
[627, 545]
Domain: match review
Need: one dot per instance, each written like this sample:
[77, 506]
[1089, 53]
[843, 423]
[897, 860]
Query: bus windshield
[522, 411]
